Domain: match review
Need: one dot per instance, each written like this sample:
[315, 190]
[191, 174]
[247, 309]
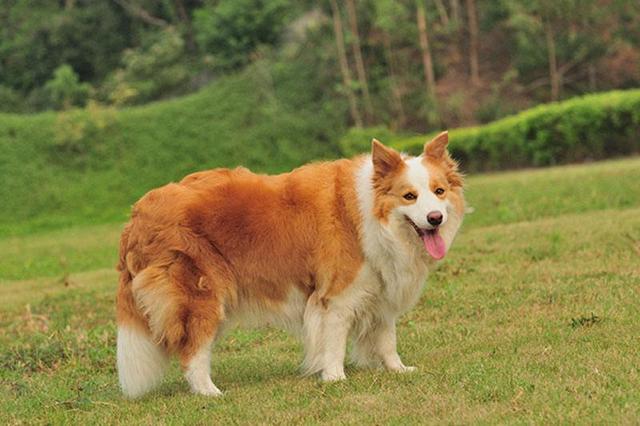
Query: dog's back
[197, 251]
[326, 250]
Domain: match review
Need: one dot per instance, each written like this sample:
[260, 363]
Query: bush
[79, 136]
[358, 140]
[10, 100]
[65, 89]
[155, 70]
[586, 128]
[233, 29]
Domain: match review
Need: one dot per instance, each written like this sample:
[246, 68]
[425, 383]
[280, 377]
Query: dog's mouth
[433, 242]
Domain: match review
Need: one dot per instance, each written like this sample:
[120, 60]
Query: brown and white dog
[331, 251]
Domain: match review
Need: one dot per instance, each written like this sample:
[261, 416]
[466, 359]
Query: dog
[331, 251]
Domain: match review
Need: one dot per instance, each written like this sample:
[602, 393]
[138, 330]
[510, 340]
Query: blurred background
[531, 318]
[125, 95]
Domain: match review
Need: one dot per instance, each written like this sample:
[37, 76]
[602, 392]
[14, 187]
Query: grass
[86, 167]
[52, 163]
[532, 318]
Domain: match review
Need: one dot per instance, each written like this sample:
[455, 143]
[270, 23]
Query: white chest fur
[393, 250]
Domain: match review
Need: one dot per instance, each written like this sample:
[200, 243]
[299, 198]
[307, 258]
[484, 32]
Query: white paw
[333, 376]
[402, 368]
[205, 387]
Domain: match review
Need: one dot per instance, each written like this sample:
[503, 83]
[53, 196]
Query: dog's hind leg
[201, 326]
[201, 321]
[197, 370]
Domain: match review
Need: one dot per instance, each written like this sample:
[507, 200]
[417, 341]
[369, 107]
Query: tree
[387, 13]
[233, 29]
[427, 62]
[560, 36]
[154, 70]
[344, 64]
[65, 88]
[474, 64]
[357, 54]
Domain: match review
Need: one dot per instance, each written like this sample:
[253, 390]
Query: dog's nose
[434, 218]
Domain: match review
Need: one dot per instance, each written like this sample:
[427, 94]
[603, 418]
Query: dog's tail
[141, 363]
[142, 357]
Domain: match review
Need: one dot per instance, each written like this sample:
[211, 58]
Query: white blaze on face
[427, 201]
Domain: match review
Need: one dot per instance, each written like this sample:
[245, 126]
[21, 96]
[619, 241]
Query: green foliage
[65, 89]
[9, 100]
[233, 29]
[89, 166]
[358, 140]
[79, 136]
[579, 30]
[36, 38]
[154, 70]
[586, 128]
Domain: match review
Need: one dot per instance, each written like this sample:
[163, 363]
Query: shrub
[10, 100]
[591, 127]
[232, 30]
[79, 136]
[154, 70]
[358, 140]
[65, 89]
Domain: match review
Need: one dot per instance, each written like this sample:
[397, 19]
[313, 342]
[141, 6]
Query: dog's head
[421, 196]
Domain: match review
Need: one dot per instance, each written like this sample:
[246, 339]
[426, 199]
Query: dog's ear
[385, 159]
[437, 147]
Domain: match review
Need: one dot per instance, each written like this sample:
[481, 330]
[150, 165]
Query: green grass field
[531, 318]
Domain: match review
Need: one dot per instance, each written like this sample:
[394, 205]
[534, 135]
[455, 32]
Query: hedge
[591, 127]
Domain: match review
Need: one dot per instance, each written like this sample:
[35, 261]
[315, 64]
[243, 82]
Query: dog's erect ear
[384, 159]
[436, 148]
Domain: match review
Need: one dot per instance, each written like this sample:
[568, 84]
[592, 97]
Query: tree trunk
[474, 66]
[455, 12]
[442, 11]
[357, 54]
[142, 14]
[344, 65]
[427, 63]
[593, 85]
[554, 74]
[396, 95]
[186, 21]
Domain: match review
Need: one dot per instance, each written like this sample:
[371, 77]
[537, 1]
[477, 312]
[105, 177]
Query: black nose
[434, 218]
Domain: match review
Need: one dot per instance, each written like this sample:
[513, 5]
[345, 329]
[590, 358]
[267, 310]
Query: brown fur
[196, 249]
[390, 185]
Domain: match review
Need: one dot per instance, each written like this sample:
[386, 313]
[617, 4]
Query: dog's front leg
[386, 347]
[326, 328]
[377, 346]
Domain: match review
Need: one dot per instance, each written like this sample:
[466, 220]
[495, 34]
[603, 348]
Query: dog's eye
[439, 191]
[409, 196]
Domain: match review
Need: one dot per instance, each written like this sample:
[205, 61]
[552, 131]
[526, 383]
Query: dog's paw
[402, 369]
[206, 388]
[333, 377]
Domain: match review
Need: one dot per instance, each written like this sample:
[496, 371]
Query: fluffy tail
[141, 363]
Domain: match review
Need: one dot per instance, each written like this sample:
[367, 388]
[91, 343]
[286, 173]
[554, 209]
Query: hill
[88, 166]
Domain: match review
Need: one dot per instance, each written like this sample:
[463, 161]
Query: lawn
[531, 318]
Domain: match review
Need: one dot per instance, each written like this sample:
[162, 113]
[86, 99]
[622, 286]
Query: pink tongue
[434, 244]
